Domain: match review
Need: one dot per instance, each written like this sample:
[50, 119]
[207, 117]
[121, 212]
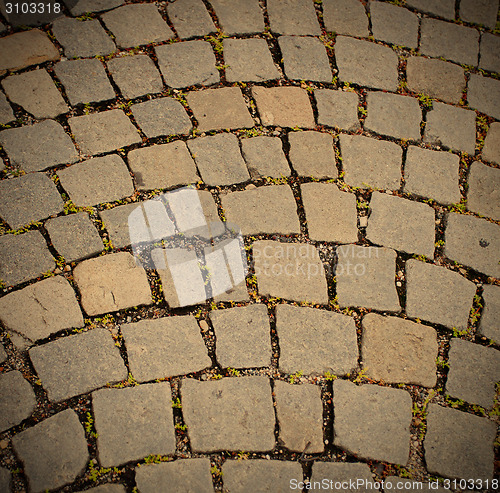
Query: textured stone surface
[342, 471]
[441, 8]
[395, 350]
[479, 12]
[108, 488]
[3, 355]
[491, 149]
[490, 52]
[239, 410]
[5, 479]
[372, 422]
[265, 157]
[18, 400]
[337, 108]
[53, 452]
[432, 174]
[331, 214]
[83, 6]
[459, 445]
[123, 420]
[484, 95]
[190, 18]
[292, 271]
[328, 338]
[41, 309]
[366, 277]
[239, 16]
[79, 363]
[345, 17]
[311, 154]
[488, 325]
[483, 196]
[6, 113]
[394, 24]
[111, 283]
[294, 17]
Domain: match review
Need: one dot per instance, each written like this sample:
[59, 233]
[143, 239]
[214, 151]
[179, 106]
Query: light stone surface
[488, 325]
[265, 157]
[311, 154]
[483, 196]
[17, 401]
[491, 149]
[479, 12]
[190, 18]
[441, 8]
[345, 17]
[490, 52]
[337, 108]
[393, 24]
[484, 95]
[293, 17]
[239, 16]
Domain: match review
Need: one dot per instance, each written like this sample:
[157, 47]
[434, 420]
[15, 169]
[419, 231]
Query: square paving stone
[217, 109]
[162, 116]
[111, 283]
[311, 154]
[293, 17]
[39, 146]
[188, 475]
[395, 350]
[432, 174]
[243, 336]
[292, 271]
[474, 371]
[97, 180]
[190, 18]
[452, 41]
[239, 16]
[372, 422]
[337, 108]
[370, 163]
[249, 59]
[331, 214]
[270, 209]
[401, 224]
[393, 24]
[187, 64]
[6, 113]
[484, 95]
[162, 166]
[28, 198]
[124, 419]
[36, 92]
[345, 17]
[239, 412]
[135, 75]
[342, 471]
[394, 115]
[219, 159]
[18, 401]
[265, 157]
[438, 295]
[41, 309]
[459, 445]
[77, 364]
[491, 149]
[436, 78]
[284, 106]
[483, 196]
[490, 52]
[54, 452]
[488, 325]
[328, 338]
[84, 81]
[474, 242]
[479, 12]
[300, 416]
[441, 8]
[82, 39]
[164, 347]
[103, 132]
[83, 6]
[366, 64]
[135, 25]
[366, 276]
[452, 127]
[305, 58]
[74, 237]
[28, 257]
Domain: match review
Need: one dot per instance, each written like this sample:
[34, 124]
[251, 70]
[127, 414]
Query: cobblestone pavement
[357, 146]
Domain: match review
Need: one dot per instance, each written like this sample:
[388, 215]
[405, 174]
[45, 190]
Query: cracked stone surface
[18, 399]
[265, 157]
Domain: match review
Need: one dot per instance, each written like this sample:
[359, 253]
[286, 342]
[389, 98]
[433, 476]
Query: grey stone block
[372, 422]
[5, 479]
[123, 419]
[483, 196]
[219, 159]
[217, 109]
[459, 445]
[448, 40]
[36, 92]
[54, 452]
[239, 16]
[345, 17]
[111, 283]
[249, 59]
[393, 24]
[394, 115]
[366, 64]
[116, 223]
[366, 276]
[479, 12]
[293, 17]
[491, 149]
[337, 108]
[240, 412]
[82, 39]
[488, 325]
[311, 154]
[401, 224]
[28, 198]
[28, 257]
[441, 8]
[39, 146]
[41, 309]
[432, 174]
[484, 95]
[135, 25]
[331, 214]
[83, 6]
[17, 401]
[6, 113]
[187, 64]
[135, 75]
[328, 338]
[265, 157]
[270, 209]
[190, 18]
[489, 58]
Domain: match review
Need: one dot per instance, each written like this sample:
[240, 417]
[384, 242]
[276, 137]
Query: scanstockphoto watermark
[363, 485]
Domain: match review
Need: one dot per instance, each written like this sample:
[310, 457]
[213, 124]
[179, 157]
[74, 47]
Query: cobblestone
[346, 17]
[190, 18]
[479, 12]
[84, 6]
[488, 326]
[342, 471]
[337, 108]
[393, 24]
[293, 17]
[18, 399]
[311, 154]
[108, 488]
[265, 157]
[491, 149]
[6, 113]
[239, 16]
[441, 8]
[490, 52]
[484, 95]
[483, 195]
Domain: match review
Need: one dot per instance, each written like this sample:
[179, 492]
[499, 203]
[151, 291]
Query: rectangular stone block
[337, 108]
[345, 17]
[265, 157]
[239, 16]
[293, 17]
